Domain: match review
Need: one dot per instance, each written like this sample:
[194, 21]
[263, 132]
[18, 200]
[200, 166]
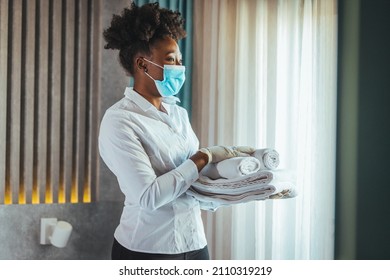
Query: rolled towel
[232, 168]
[268, 157]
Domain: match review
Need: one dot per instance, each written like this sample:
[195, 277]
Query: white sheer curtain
[265, 75]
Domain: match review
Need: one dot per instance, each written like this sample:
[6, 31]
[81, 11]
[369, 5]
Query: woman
[147, 141]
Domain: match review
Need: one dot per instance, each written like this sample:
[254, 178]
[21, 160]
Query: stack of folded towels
[242, 179]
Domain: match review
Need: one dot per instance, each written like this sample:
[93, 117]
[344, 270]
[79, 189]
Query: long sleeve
[148, 151]
[125, 155]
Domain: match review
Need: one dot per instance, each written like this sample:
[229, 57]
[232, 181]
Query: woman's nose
[179, 62]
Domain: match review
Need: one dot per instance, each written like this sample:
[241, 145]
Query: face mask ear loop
[147, 74]
[153, 63]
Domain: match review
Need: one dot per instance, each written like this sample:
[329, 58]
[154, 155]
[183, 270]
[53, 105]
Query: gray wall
[363, 188]
[93, 223]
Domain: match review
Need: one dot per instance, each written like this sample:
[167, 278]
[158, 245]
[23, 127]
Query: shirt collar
[138, 99]
[168, 102]
[171, 100]
[145, 104]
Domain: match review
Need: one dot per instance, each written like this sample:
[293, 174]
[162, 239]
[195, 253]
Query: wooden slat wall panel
[38, 195]
[80, 127]
[87, 160]
[94, 79]
[14, 91]
[28, 85]
[49, 92]
[68, 89]
[55, 95]
[3, 93]
[43, 153]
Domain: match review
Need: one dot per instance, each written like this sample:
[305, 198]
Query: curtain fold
[265, 75]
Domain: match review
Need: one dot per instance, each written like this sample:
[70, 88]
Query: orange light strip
[87, 197]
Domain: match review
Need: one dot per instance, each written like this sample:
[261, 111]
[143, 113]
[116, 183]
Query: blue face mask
[174, 77]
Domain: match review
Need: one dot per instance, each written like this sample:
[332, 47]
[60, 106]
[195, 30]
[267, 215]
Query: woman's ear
[140, 64]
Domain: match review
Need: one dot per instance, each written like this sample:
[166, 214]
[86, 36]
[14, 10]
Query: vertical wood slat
[94, 97]
[42, 92]
[55, 96]
[36, 193]
[49, 66]
[29, 85]
[80, 102]
[3, 94]
[14, 122]
[88, 59]
[22, 114]
[69, 65]
[28, 97]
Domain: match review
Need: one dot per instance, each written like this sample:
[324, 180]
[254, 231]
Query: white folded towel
[261, 185]
[212, 201]
[236, 185]
[268, 157]
[232, 168]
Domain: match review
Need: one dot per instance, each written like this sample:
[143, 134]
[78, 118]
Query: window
[266, 76]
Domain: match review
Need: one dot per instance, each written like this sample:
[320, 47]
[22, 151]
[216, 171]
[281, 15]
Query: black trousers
[121, 253]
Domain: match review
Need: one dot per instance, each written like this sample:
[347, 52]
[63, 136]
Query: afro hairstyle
[137, 28]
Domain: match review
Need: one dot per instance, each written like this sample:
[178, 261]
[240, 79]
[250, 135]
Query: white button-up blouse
[148, 151]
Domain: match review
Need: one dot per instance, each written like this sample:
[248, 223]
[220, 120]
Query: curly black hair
[138, 28]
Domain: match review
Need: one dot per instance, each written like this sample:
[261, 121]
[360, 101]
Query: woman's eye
[174, 60]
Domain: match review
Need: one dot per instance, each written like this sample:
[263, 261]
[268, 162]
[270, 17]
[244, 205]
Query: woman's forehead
[166, 46]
